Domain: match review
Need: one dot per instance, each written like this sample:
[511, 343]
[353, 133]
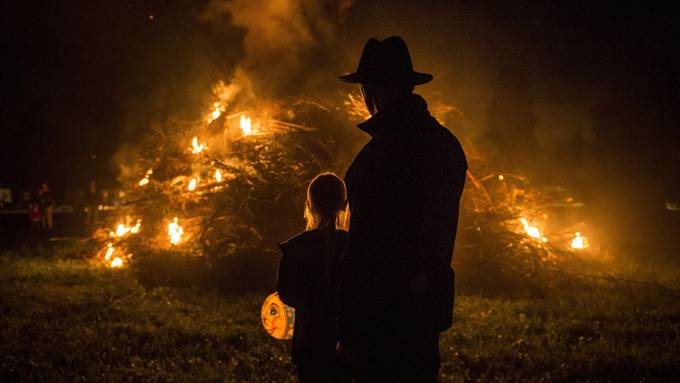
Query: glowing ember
[109, 252]
[246, 125]
[121, 230]
[116, 262]
[217, 112]
[196, 147]
[218, 175]
[192, 184]
[579, 242]
[135, 229]
[175, 231]
[500, 177]
[532, 231]
[145, 180]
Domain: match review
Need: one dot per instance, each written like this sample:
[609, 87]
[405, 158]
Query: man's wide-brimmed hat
[386, 62]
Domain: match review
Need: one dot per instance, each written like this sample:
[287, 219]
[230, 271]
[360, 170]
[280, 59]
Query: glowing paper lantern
[277, 318]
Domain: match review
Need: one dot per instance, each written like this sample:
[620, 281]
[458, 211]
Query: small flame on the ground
[246, 125]
[218, 175]
[192, 184]
[197, 147]
[579, 241]
[145, 180]
[110, 260]
[123, 229]
[532, 231]
[175, 231]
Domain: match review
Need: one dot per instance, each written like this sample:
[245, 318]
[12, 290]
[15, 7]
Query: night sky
[81, 78]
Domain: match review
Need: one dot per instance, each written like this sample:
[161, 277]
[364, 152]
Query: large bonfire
[230, 183]
[233, 182]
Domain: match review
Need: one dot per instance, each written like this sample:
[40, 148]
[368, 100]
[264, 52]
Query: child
[308, 279]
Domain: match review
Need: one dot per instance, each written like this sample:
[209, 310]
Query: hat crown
[385, 62]
[389, 56]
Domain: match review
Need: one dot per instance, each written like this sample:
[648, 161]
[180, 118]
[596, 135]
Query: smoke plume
[288, 44]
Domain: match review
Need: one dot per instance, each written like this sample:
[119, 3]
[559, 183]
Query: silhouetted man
[404, 189]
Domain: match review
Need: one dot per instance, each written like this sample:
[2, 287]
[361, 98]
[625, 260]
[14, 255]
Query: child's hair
[326, 206]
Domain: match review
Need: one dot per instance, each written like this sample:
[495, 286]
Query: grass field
[65, 320]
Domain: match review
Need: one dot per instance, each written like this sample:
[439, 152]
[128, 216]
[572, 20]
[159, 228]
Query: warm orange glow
[500, 177]
[217, 112]
[175, 231]
[246, 125]
[278, 319]
[135, 229]
[532, 231]
[579, 242]
[145, 180]
[109, 252]
[192, 184]
[121, 230]
[116, 262]
[218, 175]
[196, 147]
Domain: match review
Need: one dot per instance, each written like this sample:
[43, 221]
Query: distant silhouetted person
[46, 202]
[404, 188]
[307, 281]
[92, 202]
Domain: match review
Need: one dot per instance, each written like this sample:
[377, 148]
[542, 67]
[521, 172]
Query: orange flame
[532, 231]
[579, 242]
[216, 113]
[123, 229]
[192, 184]
[116, 262]
[196, 147]
[145, 180]
[175, 231]
[246, 125]
[109, 252]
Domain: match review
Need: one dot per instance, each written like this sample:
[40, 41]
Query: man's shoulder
[442, 133]
[433, 142]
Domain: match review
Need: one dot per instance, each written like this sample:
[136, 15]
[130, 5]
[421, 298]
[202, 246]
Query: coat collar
[398, 117]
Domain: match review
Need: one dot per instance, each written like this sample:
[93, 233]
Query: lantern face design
[277, 318]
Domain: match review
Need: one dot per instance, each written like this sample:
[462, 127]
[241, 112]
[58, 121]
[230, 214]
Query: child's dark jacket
[307, 281]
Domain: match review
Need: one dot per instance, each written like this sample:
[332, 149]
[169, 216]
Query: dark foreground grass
[65, 320]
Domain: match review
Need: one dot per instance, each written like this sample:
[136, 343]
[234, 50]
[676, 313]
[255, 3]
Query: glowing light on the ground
[579, 241]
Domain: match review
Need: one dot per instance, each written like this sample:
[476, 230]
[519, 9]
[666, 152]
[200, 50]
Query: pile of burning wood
[512, 227]
[234, 183]
[230, 183]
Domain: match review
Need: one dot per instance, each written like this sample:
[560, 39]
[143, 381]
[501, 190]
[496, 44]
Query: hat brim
[414, 78]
